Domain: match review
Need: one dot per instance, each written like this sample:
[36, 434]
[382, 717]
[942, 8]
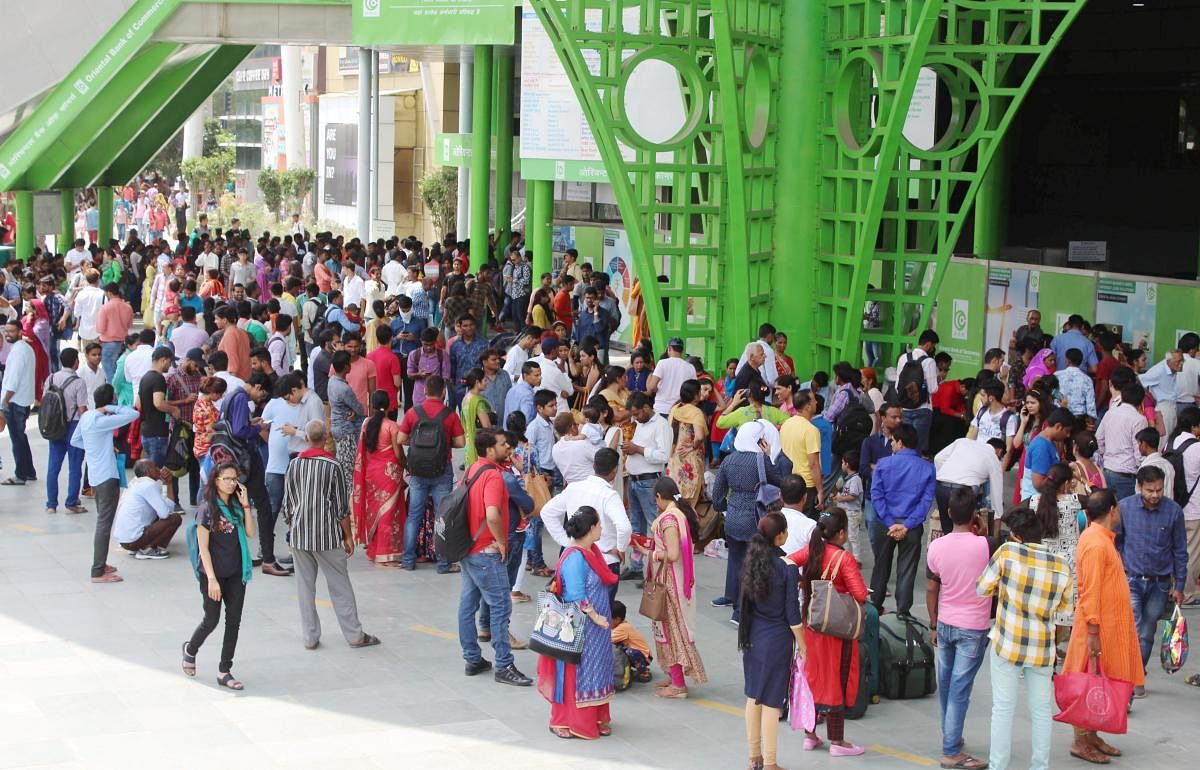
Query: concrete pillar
[481, 155]
[466, 76]
[504, 143]
[538, 227]
[25, 238]
[293, 121]
[366, 64]
[104, 202]
[193, 131]
[375, 107]
[67, 222]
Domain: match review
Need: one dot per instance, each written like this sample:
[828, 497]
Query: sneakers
[150, 553]
[162, 553]
[76, 509]
[722, 601]
[510, 675]
[478, 667]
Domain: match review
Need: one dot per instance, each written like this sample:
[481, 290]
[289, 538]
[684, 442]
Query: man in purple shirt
[187, 335]
[902, 491]
[425, 361]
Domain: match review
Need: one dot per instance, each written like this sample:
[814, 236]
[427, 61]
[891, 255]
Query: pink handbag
[1090, 700]
[802, 711]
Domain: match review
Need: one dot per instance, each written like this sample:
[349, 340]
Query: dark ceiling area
[1106, 147]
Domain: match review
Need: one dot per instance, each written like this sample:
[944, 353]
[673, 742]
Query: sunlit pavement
[90, 678]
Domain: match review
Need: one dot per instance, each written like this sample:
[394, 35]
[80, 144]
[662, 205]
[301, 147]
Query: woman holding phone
[223, 527]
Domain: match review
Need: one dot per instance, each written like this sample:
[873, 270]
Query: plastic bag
[716, 549]
[802, 710]
[1091, 701]
[1174, 650]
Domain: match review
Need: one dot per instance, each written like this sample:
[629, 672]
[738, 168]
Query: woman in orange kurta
[1104, 627]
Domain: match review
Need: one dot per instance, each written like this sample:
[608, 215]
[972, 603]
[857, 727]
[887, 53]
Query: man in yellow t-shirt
[801, 442]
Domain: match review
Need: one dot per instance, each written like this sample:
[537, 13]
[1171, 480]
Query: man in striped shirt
[316, 506]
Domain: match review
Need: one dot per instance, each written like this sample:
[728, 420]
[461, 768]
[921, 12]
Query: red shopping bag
[1091, 701]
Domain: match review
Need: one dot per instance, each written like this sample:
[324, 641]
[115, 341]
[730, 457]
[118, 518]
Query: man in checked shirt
[1031, 584]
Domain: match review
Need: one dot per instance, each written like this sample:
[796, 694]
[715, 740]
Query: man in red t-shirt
[387, 368]
[484, 574]
[422, 489]
[563, 310]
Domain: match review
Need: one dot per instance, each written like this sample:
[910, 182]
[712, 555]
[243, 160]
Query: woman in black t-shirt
[222, 529]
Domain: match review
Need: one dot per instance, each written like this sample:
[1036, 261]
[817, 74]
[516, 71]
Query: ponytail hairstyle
[667, 489]
[830, 523]
[757, 569]
[1047, 508]
[379, 407]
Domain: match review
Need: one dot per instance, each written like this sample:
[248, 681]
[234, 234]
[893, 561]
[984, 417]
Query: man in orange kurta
[1104, 627]
[235, 342]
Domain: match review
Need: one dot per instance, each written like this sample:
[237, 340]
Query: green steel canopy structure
[792, 193]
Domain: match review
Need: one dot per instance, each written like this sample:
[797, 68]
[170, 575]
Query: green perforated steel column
[504, 143]
[104, 202]
[541, 191]
[481, 155]
[67, 222]
[991, 205]
[24, 237]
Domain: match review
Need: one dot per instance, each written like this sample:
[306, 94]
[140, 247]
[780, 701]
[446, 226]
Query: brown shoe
[111, 577]
[516, 643]
[275, 569]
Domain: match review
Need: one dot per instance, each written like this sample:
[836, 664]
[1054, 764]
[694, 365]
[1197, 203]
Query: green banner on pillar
[1176, 316]
[433, 22]
[962, 315]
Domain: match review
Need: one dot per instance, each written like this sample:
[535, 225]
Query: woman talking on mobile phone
[222, 529]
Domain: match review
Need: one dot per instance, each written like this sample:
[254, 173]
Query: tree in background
[286, 189]
[439, 193]
[270, 187]
[212, 170]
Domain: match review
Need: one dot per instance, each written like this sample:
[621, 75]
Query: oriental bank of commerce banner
[433, 22]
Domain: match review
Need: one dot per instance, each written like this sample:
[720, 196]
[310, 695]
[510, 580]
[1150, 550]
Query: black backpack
[320, 324]
[1180, 493]
[911, 390]
[854, 424]
[427, 446]
[452, 537]
[53, 421]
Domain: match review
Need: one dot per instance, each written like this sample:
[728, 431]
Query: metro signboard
[433, 22]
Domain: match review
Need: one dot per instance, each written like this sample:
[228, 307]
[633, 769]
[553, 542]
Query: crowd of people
[330, 381]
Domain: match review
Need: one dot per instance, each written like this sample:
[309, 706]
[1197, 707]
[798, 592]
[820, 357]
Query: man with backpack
[916, 382]
[64, 401]
[485, 576]
[431, 430]
[994, 420]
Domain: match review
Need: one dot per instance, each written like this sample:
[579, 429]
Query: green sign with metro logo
[433, 22]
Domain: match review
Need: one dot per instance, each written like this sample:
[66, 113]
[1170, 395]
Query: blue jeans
[61, 449]
[275, 492]
[109, 353]
[1005, 680]
[533, 542]
[1122, 484]
[1149, 600]
[419, 492]
[642, 512]
[16, 415]
[922, 421]
[155, 447]
[960, 653]
[512, 565]
[869, 524]
[485, 578]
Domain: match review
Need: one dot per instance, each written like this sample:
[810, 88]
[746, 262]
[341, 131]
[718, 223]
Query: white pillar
[366, 65]
[193, 131]
[375, 107]
[293, 121]
[466, 71]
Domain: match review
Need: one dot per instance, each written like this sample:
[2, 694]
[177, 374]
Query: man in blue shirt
[592, 321]
[1160, 380]
[335, 317]
[94, 435]
[874, 448]
[520, 397]
[1152, 539]
[1042, 452]
[1072, 337]
[540, 433]
[902, 491]
[406, 337]
[248, 430]
[464, 355]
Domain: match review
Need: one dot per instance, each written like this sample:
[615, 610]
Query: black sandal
[189, 662]
[227, 680]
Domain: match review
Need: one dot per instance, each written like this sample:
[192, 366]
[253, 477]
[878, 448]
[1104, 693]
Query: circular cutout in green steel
[661, 99]
[969, 109]
[854, 97]
[756, 99]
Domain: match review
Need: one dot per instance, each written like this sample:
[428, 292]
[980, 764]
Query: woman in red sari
[377, 500]
[35, 329]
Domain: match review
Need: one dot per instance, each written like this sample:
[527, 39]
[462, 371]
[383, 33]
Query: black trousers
[909, 554]
[257, 488]
[233, 596]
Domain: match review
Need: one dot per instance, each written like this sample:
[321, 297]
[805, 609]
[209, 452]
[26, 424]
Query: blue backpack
[193, 544]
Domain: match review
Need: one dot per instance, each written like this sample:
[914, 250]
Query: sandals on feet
[541, 572]
[227, 680]
[1091, 754]
[671, 691]
[366, 641]
[1104, 748]
[605, 729]
[189, 662]
[966, 763]
[561, 732]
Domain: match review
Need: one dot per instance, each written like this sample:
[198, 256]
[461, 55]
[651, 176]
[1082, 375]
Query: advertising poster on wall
[961, 316]
[618, 263]
[432, 22]
[1011, 293]
[340, 164]
[1129, 308]
[1065, 293]
[562, 237]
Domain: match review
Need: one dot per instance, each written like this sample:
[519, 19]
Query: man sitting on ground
[146, 519]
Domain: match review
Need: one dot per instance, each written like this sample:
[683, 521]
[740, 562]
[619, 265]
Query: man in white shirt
[1148, 441]
[1187, 382]
[18, 389]
[146, 520]
[573, 454]
[393, 274]
[596, 491]
[187, 336]
[554, 379]
[208, 260]
[86, 305]
[645, 461]
[800, 527]
[91, 372]
[994, 419]
[766, 340]
[354, 289]
[668, 375]
[969, 464]
[518, 354]
[919, 412]
[138, 362]
[75, 258]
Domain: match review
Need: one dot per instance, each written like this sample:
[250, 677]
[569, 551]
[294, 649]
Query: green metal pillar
[504, 143]
[481, 155]
[991, 205]
[798, 178]
[540, 193]
[104, 202]
[25, 238]
[67, 225]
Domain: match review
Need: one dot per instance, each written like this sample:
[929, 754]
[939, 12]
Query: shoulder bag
[654, 596]
[830, 611]
[558, 631]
